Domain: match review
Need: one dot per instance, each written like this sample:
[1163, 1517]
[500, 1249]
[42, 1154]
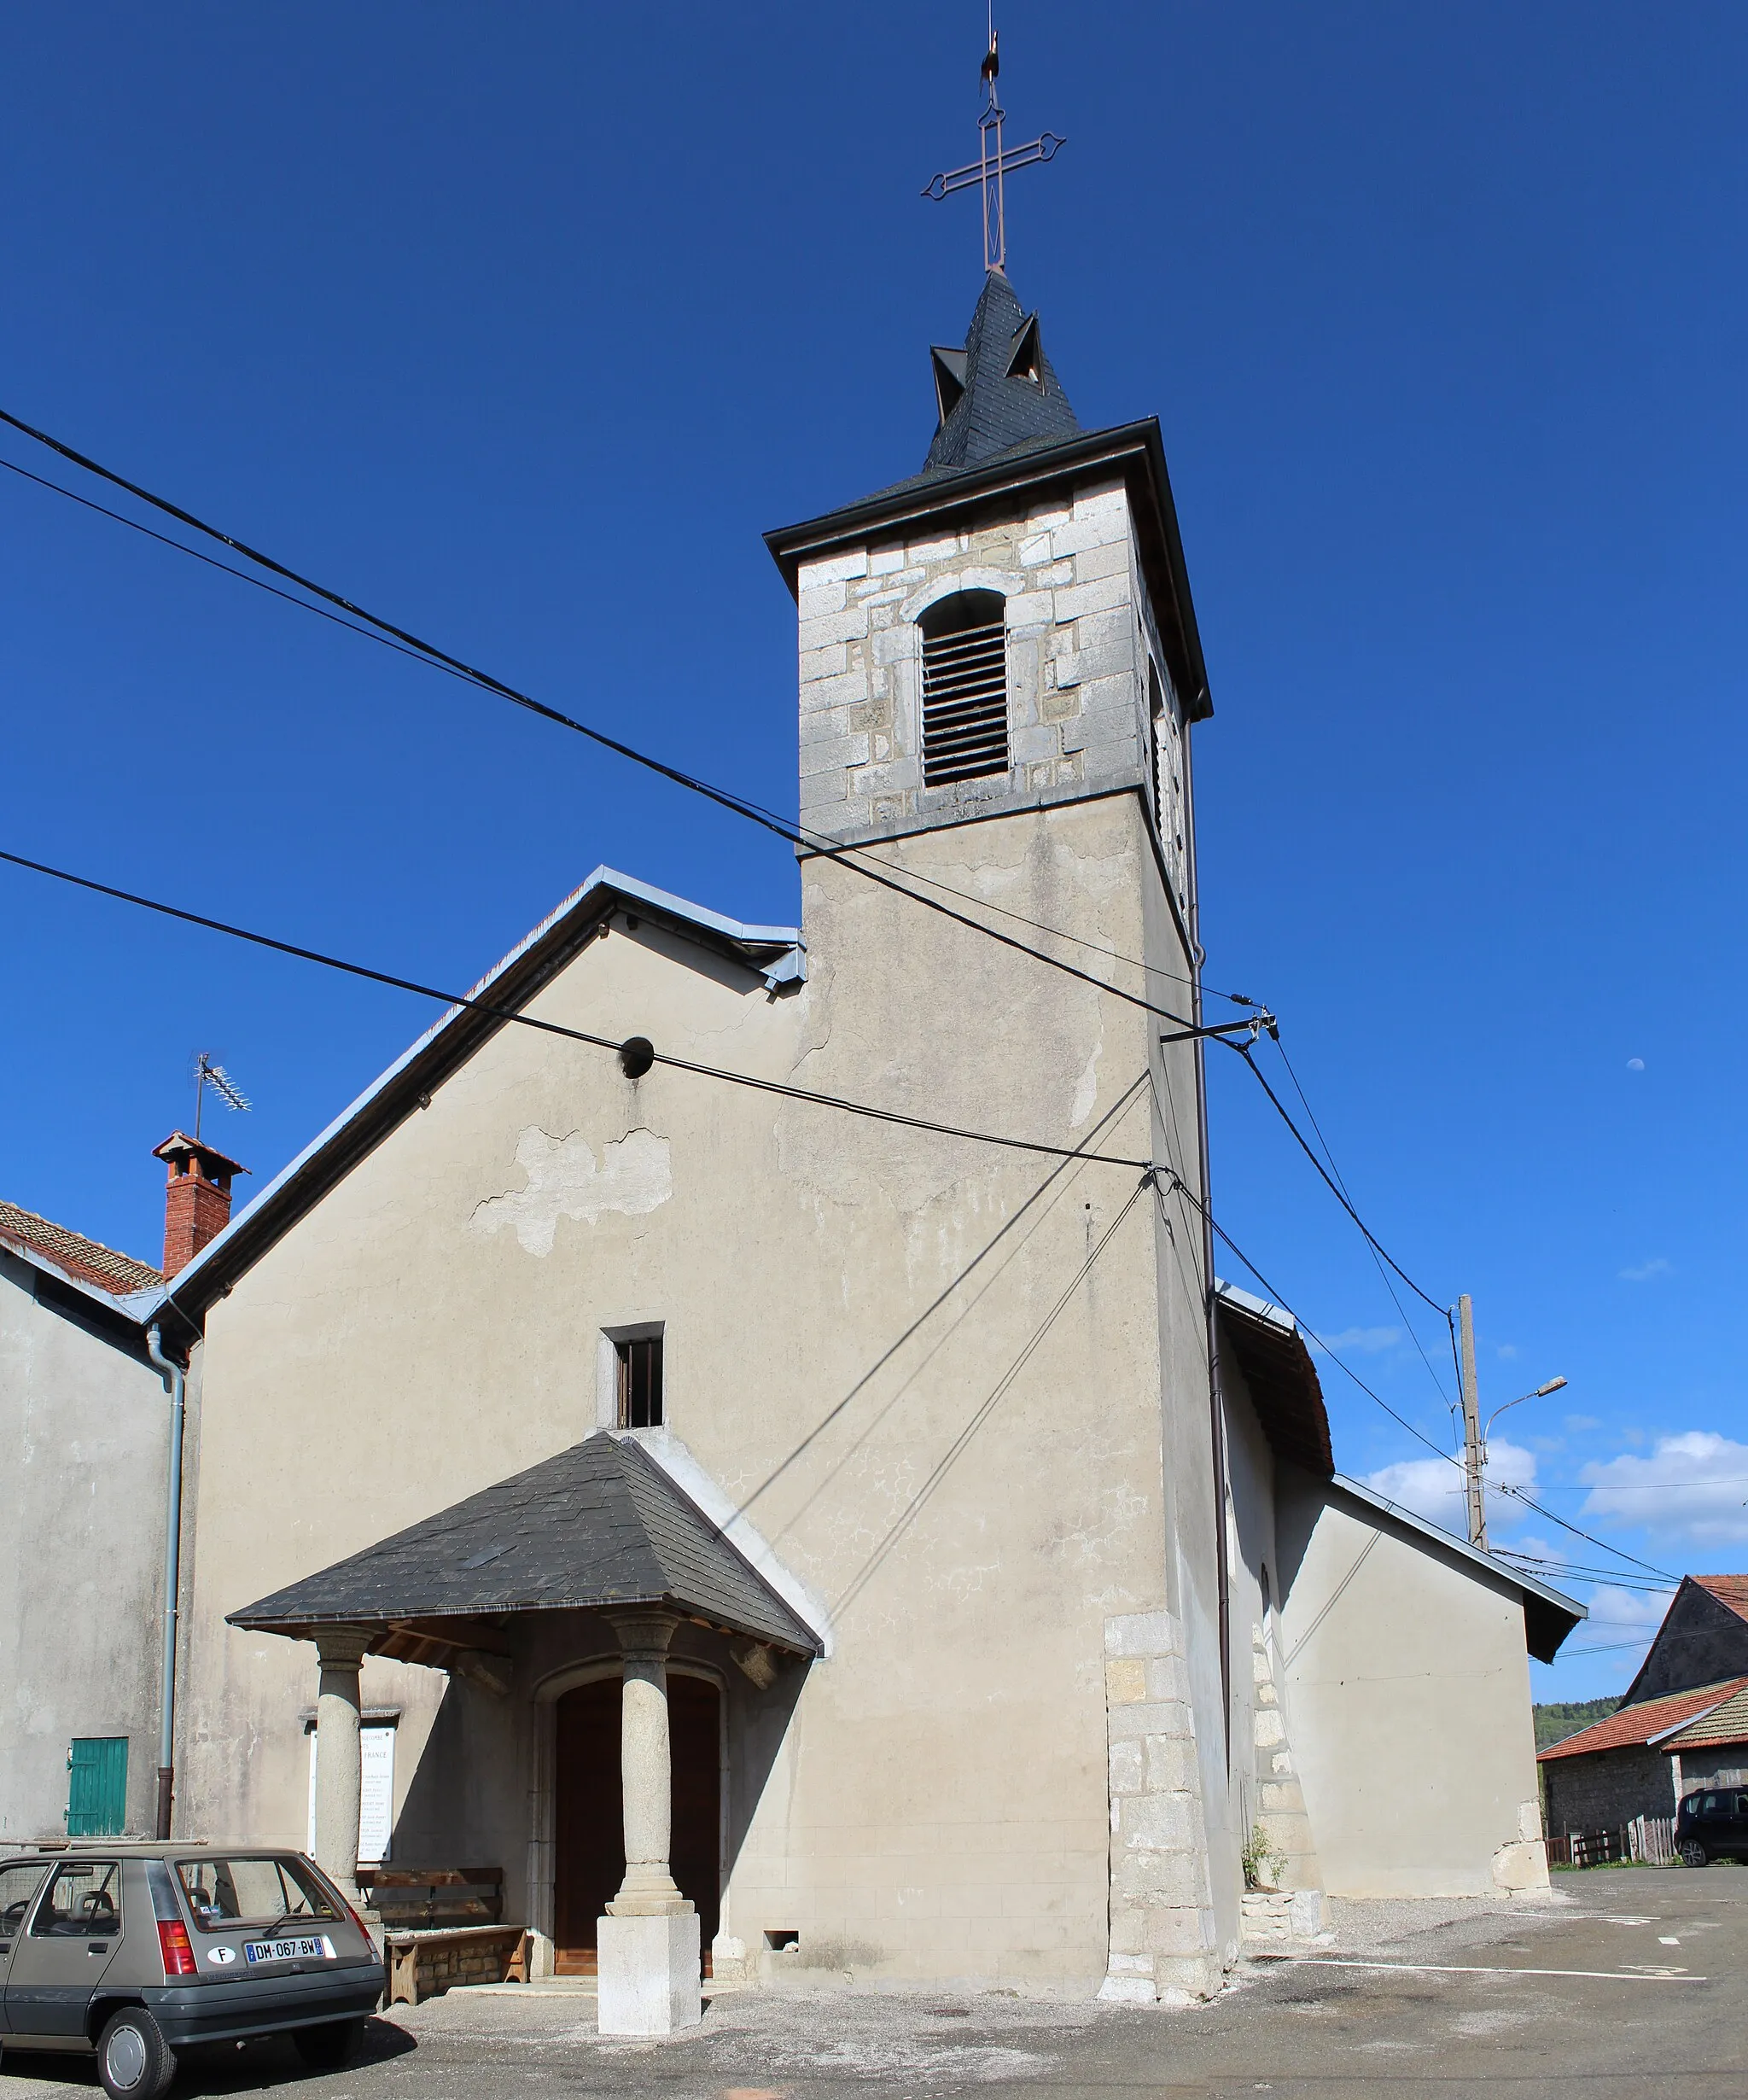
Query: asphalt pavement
[1626, 1983]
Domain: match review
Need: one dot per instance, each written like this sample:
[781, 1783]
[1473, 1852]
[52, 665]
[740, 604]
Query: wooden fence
[1648, 1839]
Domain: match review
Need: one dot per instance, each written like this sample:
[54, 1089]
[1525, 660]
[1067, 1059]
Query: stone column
[339, 1758]
[649, 1945]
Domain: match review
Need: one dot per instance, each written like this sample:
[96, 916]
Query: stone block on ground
[649, 1974]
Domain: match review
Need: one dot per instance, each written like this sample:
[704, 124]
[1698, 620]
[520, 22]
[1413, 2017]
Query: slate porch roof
[1635, 1727]
[600, 1525]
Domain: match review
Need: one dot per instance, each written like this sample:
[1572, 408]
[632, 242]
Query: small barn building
[1670, 1733]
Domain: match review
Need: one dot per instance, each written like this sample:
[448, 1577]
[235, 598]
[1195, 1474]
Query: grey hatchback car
[134, 1951]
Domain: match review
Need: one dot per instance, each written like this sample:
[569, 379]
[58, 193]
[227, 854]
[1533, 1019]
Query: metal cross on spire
[995, 162]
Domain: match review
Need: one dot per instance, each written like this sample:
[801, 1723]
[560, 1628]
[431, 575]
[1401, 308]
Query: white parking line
[1453, 1969]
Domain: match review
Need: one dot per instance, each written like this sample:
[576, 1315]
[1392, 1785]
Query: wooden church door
[590, 1853]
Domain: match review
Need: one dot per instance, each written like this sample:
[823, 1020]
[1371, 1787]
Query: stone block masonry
[1162, 1940]
[1080, 695]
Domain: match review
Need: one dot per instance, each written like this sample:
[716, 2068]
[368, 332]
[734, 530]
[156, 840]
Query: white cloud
[1692, 1487]
[1621, 1626]
[1507, 1349]
[1578, 1424]
[1644, 1273]
[1366, 1341]
[1434, 1489]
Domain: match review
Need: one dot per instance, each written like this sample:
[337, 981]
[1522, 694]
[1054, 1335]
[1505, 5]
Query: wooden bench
[442, 1928]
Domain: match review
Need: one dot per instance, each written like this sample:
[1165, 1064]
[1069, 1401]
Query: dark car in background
[134, 1951]
[1713, 1825]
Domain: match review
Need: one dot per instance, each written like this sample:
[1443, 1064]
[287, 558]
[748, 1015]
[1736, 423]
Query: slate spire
[999, 394]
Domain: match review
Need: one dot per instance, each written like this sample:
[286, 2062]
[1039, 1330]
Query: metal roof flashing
[776, 953]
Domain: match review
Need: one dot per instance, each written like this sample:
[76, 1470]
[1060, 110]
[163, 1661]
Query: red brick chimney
[197, 1201]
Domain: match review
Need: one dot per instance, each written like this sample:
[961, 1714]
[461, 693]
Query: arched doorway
[589, 1851]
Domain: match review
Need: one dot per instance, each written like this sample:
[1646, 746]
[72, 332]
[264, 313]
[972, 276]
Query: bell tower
[1010, 629]
[1000, 670]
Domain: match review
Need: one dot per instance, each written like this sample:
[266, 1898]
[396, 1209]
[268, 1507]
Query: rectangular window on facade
[96, 1786]
[640, 1382]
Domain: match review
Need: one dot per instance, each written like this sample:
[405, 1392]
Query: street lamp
[1541, 1393]
[1477, 1465]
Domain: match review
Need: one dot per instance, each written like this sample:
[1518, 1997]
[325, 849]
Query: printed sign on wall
[376, 1803]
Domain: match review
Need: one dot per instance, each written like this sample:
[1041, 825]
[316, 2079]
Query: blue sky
[520, 325]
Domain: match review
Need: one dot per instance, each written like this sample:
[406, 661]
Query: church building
[740, 1419]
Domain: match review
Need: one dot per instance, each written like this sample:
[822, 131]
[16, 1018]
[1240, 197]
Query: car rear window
[252, 1889]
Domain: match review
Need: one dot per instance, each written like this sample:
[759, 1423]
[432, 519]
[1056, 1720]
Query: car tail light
[178, 1954]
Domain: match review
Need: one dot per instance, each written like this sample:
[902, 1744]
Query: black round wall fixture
[637, 1054]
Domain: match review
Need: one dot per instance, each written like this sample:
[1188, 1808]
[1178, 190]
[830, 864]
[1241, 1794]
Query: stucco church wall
[84, 1442]
[865, 1349]
[1408, 1682]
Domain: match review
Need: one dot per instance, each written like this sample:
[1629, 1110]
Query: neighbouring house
[1674, 1730]
[85, 1430]
[761, 1451]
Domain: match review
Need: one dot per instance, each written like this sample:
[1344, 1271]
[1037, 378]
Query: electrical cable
[573, 1035]
[408, 644]
[1438, 1385]
[987, 1406]
[1641, 1487]
[1340, 1194]
[1498, 1487]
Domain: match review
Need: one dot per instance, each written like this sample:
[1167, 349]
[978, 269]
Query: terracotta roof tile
[1730, 1590]
[1726, 1724]
[1633, 1727]
[89, 1260]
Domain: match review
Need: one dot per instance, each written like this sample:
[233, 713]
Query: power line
[987, 1406]
[1378, 1259]
[1057, 933]
[407, 643]
[553, 1027]
[1642, 1487]
[1334, 1188]
[1499, 1488]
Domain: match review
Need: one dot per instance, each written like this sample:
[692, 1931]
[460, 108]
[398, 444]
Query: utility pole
[1471, 1427]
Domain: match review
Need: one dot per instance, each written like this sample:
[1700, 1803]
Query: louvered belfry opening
[965, 688]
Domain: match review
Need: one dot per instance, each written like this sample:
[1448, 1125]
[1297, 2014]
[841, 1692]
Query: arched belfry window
[964, 687]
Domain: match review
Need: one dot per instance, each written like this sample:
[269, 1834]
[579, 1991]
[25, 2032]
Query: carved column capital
[645, 1632]
[342, 1647]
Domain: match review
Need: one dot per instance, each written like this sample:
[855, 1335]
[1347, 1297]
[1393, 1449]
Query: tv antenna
[994, 163]
[208, 1072]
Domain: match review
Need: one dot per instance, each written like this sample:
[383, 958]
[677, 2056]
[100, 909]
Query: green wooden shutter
[96, 1795]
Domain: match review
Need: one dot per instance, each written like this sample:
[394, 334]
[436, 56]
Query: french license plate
[317, 1948]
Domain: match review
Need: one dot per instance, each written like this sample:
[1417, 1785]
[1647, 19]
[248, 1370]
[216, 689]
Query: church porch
[605, 1647]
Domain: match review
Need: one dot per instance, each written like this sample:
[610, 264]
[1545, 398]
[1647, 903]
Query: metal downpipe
[174, 1375]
